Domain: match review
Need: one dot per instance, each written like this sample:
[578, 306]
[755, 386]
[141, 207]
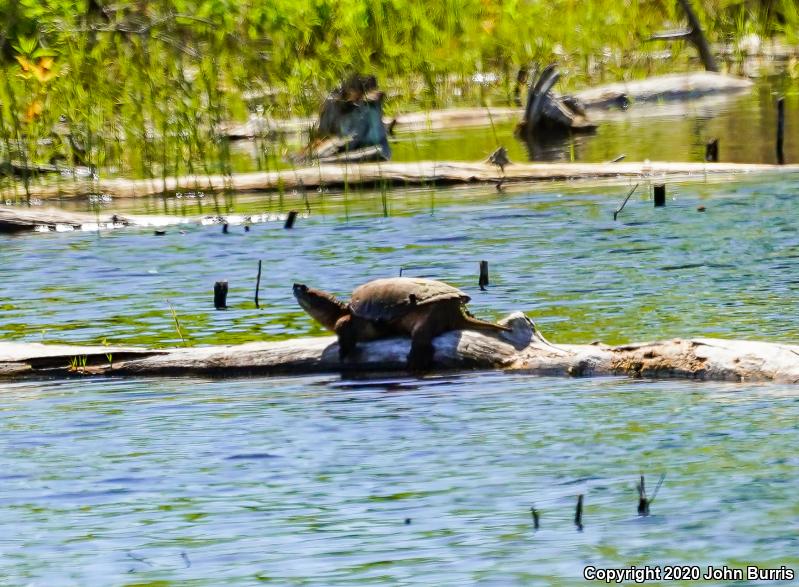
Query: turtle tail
[472, 323]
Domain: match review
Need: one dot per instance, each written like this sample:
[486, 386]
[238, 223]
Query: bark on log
[524, 350]
[400, 174]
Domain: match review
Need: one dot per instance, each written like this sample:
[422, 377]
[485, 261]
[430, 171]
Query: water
[553, 251]
[310, 480]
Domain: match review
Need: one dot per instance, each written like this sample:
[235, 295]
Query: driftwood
[524, 349]
[350, 124]
[22, 170]
[18, 219]
[549, 114]
[664, 88]
[399, 174]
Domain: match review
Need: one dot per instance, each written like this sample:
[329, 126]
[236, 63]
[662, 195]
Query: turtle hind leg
[347, 333]
[420, 358]
[422, 350]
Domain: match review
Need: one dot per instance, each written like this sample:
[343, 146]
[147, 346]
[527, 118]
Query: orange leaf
[24, 63]
[33, 110]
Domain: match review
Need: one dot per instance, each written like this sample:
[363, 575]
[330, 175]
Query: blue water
[324, 481]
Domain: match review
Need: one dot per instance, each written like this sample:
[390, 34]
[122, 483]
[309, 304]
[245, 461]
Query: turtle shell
[392, 298]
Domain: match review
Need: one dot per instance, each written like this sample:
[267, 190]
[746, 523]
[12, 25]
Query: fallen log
[524, 349]
[18, 219]
[399, 174]
[677, 86]
[22, 170]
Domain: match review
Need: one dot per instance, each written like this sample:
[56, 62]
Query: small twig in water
[624, 203]
[177, 322]
[139, 559]
[578, 514]
[185, 558]
[258, 285]
[535, 514]
[483, 279]
[643, 501]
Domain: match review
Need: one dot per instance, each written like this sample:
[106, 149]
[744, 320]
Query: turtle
[418, 307]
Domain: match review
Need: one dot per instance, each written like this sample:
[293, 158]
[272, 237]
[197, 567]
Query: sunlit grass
[143, 89]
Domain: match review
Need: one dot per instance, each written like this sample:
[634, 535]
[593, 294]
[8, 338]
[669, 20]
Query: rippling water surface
[323, 481]
[553, 251]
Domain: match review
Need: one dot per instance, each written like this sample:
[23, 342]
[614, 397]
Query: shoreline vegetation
[146, 89]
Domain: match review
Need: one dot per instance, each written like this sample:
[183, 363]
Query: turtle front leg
[422, 350]
[347, 334]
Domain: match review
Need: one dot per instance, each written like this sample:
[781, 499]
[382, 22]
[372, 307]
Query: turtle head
[323, 307]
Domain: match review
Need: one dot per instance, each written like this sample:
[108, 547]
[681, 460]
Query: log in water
[399, 174]
[523, 349]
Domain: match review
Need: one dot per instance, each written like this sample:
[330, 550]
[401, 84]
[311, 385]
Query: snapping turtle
[421, 308]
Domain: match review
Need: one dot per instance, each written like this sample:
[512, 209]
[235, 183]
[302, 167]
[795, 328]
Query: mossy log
[423, 173]
[524, 349]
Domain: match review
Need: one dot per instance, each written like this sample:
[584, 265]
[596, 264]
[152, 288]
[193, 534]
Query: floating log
[524, 349]
[18, 219]
[402, 174]
[678, 86]
[22, 169]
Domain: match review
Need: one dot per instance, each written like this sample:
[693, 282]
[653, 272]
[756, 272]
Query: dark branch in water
[697, 37]
[624, 203]
[643, 501]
